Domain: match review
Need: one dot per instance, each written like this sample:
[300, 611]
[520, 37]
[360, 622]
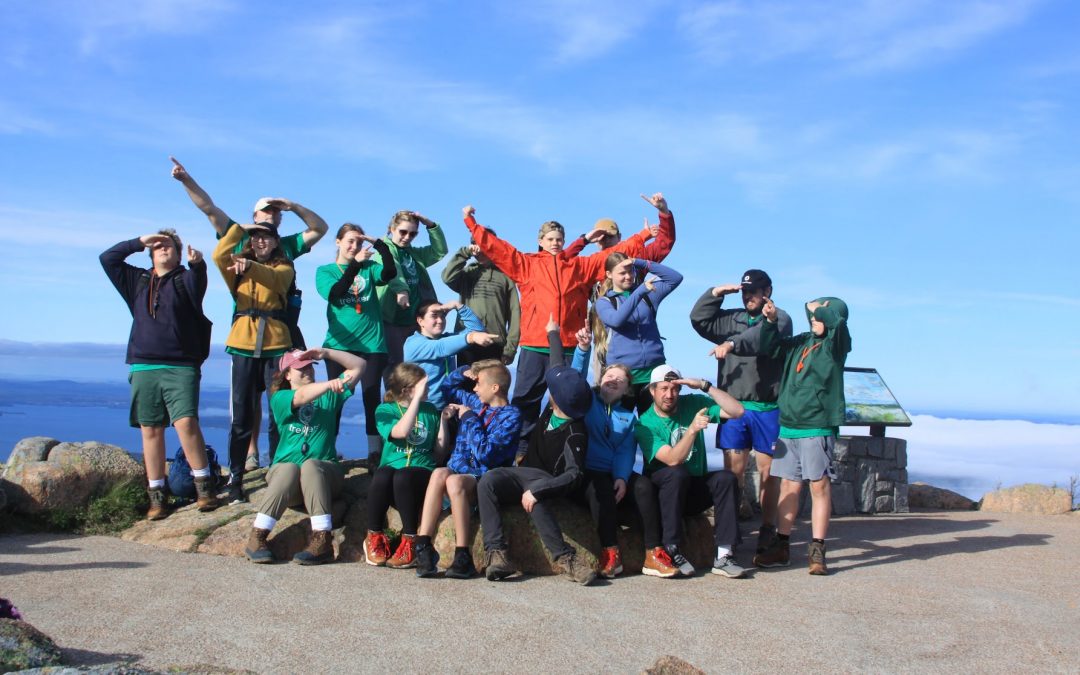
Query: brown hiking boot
[376, 549]
[159, 504]
[256, 550]
[497, 565]
[610, 562]
[816, 554]
[205, 499]
[404, 557]
[766, 536]
[659, 564]
[777, 555]
[320, 549]
[577, 568]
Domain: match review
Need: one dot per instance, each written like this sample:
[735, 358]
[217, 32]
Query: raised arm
[200, 198]
[404, 426]
[508, 259]
[436, 250]
[659, 248]
[316, 226]
[453, 274]
[354, 368]
[124, 276]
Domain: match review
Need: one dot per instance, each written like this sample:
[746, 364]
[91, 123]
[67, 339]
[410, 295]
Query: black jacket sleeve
[568, 469]
[389, 267]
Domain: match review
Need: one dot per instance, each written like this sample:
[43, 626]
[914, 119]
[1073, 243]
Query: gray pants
[314, 484]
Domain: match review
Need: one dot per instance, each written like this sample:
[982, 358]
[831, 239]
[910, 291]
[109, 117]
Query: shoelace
[405, 548]
[663, 557]
[381, 546]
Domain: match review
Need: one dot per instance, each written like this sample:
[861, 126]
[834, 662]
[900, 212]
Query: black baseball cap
[755, 279]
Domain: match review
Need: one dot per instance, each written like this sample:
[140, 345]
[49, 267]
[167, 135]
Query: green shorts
[160, 397]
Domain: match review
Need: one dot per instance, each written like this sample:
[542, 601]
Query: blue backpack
[181, 482]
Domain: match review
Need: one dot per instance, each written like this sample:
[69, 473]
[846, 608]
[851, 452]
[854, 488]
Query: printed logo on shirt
[408, 269]
[359, 285]
[677, 435]
[418, 435]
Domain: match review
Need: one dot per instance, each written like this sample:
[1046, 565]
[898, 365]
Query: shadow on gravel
[85, 657]
[23, 568]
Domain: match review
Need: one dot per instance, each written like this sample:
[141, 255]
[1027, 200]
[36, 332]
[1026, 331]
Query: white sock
[722, 551]
[157, 483]
[323, 523]
[264, 522]
[201, 473]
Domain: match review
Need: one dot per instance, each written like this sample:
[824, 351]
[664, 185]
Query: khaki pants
[314, 484]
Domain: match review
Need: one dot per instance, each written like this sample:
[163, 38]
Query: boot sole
[258, 560]
[773, 564]
[427, 574]
[613, 573]
[656, 573]
[729, 575]
[451, 574]
[499, 575]
[311, 561]
[374, 563]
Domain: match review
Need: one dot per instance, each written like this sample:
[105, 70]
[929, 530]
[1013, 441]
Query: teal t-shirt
[654, 432]
[354, 321]
[416, 449]
[292, 245]
[555, 422]
[141, 367]
[310, 431]
[788, 432]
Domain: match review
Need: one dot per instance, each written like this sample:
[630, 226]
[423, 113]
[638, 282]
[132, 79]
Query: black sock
[459, 550]
[783, 537]
[819, 541]
[422, 540]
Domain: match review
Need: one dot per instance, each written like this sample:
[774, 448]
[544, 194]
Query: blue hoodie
[435, 355]
[634, 338]
[612, 447]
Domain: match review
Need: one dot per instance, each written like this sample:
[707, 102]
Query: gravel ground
[935, 591]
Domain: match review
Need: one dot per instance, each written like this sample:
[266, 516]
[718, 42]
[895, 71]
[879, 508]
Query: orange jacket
[551, 285]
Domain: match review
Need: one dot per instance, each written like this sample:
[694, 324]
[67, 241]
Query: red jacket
[551, 285]
[655, 250]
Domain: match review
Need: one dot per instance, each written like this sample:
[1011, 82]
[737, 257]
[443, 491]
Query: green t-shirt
[310, 431]
[788, 432]
[641, 375]
[555, 422]
[654, 432]
[141, 367]
[292, 245]
[758, 406]
[354, 321]
[416, 449]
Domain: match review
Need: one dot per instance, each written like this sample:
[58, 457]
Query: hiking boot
[816, 554]
[777, 555]
[376, 549]
[427, 560]
[610, 562]
[498, 565]
[159, 504]
[256, 550]
[235, 492]
[462, 567]
[766, 536]
[575, 566]
[746, 510]
[404, 557]
[205, 499]
[320, 549]
[658, 564]
[727, 567]
[252, 463]
[679, 560]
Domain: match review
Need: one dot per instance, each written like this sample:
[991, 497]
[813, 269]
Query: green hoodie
[412, 277]
[812, 383]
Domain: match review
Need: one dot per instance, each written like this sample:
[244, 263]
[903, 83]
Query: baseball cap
[294, 359]
[607, 225]
[664, 373]
[264, 203]
[755, 279]
[570, 391]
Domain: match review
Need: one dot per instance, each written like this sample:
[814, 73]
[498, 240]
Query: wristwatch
[705, 385]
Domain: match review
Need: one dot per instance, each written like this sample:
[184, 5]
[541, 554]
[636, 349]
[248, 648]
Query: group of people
[454, 428]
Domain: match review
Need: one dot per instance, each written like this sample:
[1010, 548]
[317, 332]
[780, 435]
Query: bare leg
[461, 487]
[788, 505]
[191, 439]
[253, 444]
[153, 444]
[821, 493]
[735, 462]
[770, 489]
[436, 488]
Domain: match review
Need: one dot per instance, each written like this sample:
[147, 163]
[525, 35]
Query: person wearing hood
[552, 467]
[812, 406]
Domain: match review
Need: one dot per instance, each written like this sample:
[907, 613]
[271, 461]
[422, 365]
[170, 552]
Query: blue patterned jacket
[487, 436]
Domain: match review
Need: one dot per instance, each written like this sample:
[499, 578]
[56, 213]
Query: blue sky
[917, 159]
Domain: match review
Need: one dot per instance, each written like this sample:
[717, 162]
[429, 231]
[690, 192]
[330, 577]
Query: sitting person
[676, 481]
[305, 468]
[414, 438]
[551, 467]
[487, 437]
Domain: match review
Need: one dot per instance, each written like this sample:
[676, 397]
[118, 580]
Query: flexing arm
[200, 199]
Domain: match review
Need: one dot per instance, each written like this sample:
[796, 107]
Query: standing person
[488, 428]
[812, 406]
[676, 480]
[551, 468]
[551, 285]
[629, 312]
[752, 378]
[306, 468]
[492, 296]
[412, 285]
[259, 279]
[267, 211]
[433, 348]
[165, 351]
[415, 436]
[353, 314]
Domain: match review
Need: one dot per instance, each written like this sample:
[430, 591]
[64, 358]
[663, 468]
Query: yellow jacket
[261, 289]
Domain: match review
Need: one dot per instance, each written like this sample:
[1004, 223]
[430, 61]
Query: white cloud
[582, 31]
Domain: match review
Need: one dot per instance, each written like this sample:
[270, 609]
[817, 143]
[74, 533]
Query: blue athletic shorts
[757, 430]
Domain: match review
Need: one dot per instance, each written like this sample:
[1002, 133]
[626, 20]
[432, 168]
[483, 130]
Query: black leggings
[250, 378]
[599, 493]
[401, 488]
[370, 382]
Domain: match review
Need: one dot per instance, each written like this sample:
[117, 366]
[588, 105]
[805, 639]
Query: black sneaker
[766, 537]
[462, 567]
[680, 561]
[234, 493]
[427, 560]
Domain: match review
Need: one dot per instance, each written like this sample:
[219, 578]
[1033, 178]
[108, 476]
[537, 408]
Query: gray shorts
[803, 458]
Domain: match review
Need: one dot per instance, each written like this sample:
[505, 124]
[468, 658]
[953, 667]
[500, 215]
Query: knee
[820, 487]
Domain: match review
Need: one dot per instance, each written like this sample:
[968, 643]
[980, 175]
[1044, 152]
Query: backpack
[181, 482]
[204, 325]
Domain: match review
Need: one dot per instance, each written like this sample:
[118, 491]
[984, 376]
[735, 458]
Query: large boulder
[22, 646]
[1028, 498]
[45, 475]
[923, 496]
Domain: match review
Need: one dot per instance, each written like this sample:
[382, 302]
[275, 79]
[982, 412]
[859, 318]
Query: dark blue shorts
[757, 430]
